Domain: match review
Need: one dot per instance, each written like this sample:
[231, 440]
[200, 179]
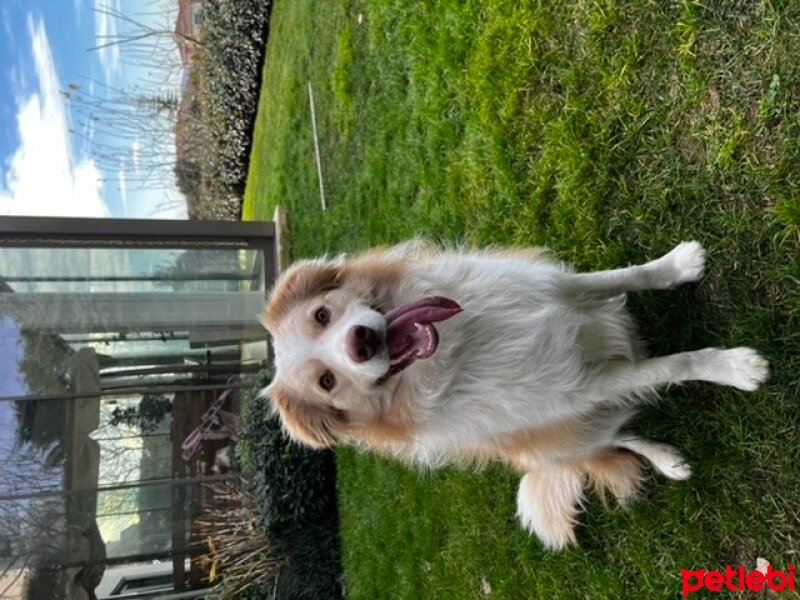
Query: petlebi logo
[738, 579]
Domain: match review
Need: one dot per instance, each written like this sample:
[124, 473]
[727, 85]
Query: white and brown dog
[528, 362]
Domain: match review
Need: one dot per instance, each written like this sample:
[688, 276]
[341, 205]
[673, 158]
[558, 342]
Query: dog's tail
[548, 502]
[550, 495]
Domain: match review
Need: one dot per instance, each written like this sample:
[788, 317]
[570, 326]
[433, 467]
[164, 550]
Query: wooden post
[316, 147]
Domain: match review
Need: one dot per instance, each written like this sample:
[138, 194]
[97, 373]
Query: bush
[295, 490]
[227, 80]
[239, 551]
[293, 482]
[314, 569]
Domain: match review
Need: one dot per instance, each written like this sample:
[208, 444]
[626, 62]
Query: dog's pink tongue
[410, 333]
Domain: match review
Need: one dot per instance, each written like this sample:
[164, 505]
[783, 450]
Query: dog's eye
[327, 381]
[322, 316]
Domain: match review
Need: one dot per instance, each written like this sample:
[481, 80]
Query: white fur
[294, 349]
[665, 459]
[547, 504]
[536, 345]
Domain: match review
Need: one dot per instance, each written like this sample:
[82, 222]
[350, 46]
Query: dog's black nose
[362, 343]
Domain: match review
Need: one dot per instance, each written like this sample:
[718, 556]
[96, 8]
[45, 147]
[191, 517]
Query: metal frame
[141, 231]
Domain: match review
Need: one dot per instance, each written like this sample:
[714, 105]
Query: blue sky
[11, 383]
[51, 157]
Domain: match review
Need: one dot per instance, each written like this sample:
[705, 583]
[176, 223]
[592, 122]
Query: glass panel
[109, 359]
[104, 480]
[130, 269]
[51, 540]
[154, 315]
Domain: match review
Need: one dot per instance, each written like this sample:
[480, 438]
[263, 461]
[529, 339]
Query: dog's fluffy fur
[541, 369]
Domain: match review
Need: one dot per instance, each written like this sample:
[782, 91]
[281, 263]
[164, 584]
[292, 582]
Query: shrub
[293, 482]
[238, 548]
[295, 492]
[226, 83]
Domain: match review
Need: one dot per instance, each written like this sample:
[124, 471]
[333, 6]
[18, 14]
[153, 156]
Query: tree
[147, 415]
[43, 366]
[130, 132]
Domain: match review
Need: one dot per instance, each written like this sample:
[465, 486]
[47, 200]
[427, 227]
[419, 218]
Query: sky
[58, 157]
[11, 383]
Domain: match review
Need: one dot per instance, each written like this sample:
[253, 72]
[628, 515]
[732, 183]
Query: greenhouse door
[116, 337]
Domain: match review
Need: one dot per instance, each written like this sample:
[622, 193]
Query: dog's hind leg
[683, 264]
[742, 368]
[664, 458]
[548, 502]
[612, 469]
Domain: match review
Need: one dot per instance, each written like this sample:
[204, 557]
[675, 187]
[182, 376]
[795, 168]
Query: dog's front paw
[742, 368]
[683, 264]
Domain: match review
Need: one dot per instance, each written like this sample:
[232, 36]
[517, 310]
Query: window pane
[109, 359]
[154, 314]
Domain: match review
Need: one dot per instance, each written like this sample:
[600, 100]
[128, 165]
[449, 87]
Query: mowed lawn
[608, 131]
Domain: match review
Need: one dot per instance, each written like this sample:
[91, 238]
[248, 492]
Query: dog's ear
[375, 274]
[301, 281]
[316, 426]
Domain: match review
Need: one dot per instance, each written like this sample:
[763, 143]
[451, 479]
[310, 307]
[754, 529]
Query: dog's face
[331, 357]
[341, 346]
[335, 341]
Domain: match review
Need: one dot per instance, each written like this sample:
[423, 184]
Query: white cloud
[135, 149]
[105, 31]
[122, 178]
[7, 26]
[43, 178]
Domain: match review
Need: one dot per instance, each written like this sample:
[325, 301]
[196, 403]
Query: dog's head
[341, 344]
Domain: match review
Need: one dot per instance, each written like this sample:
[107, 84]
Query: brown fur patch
[609, 470]
[390, 429]
[525, 447]
[311, 424]
[613, 470]
[375, 276]
[298, 284]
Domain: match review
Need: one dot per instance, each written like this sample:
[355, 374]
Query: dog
[439, 355]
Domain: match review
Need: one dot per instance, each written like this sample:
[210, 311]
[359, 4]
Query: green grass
[609, 132]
